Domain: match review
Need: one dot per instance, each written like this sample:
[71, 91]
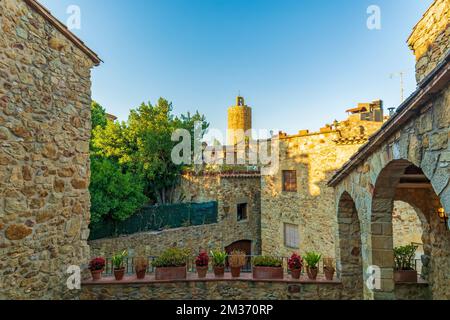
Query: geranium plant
[97, 264]
[202, 259]
[295, 262]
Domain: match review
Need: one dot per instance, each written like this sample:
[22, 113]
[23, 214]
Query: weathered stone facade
[429, 40]
[408, 160]
[314, 157]
[44, 152]
[228, 190]
[244, 288]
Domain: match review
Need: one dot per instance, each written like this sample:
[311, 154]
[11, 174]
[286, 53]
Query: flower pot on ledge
[119, 274]
[295, 273]
[170, 273]
[202, 271]
[96, 274]
[312, 273]
[235, 272]
[329, 273]
[405, 276]
[219, 272]
[268, 273]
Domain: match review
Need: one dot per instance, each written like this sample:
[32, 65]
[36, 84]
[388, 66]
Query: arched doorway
[350, 267]
[402, 181]
[242, 245]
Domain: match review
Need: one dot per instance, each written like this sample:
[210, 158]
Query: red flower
[202, 260]
[295, 262]
[97, 264]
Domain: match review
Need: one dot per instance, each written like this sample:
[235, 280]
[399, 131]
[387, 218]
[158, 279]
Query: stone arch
[393, 183]
[350, 264]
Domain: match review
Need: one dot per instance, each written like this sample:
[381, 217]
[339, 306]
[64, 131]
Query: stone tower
[239, 122]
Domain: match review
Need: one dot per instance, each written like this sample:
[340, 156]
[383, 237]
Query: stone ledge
[192, 277]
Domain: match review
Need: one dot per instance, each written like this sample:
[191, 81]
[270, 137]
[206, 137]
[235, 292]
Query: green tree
[143, 145]
[98, 114]
[114, 194]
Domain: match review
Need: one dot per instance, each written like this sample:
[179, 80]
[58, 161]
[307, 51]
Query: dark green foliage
[114, 194]
[267, 261]
[173, 257]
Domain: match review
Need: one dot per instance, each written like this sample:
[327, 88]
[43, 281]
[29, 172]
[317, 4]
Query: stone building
[45, 119]
[407, 160]
[296, 203]
[239, 122]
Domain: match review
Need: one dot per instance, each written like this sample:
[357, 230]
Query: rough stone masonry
[45, 124]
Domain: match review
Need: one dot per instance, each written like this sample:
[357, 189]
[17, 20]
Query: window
[290, 180]
[291, 238]
[242, 211]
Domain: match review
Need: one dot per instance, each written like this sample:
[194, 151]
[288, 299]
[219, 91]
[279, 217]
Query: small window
[291, 237]
[289, 180]
[242, 211]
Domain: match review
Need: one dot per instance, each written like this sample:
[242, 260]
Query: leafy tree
[114, 194]
[98, 114]
[144, 146]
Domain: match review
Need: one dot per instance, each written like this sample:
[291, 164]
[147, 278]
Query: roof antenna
[402, 87]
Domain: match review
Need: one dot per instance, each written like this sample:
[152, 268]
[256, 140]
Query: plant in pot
[267, 267]
[219, 259]
[201, 263]
[295, 264]
[236, 260]
[312, 260]
[171, 264]
[118, 263]
[97, 266]
[140, 266]
[404, 259]
[328, 268]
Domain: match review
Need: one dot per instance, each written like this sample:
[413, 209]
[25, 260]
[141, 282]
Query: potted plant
[295, 264]
[97, 266]
[118, 264]
[140, 266]
[201, 263]
[171, 264]
[236, 259]
[312, 260]
[219, 259]
[328, 268]
[267, 267]
[404, 258]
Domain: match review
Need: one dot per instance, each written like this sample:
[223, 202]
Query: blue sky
[299, 63]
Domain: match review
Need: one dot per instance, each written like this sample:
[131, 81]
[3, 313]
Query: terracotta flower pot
[268, 273]
[219, 272]
[96, 274]
[202, 271]
[140, 274]
[329, 273]
[312, 273]
[295, 273]
[119, 273]
[235, 272]
[170, 273]
[407, 276]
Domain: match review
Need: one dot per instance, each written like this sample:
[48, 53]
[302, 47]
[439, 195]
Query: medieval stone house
[45, 119]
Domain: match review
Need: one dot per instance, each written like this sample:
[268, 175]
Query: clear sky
[299, 63]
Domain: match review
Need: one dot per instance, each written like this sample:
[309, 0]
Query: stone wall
[44, 154]
[429, 39]
[228, 191]
[227, 289]
[407, 226]
[423, 142]
[315, 157]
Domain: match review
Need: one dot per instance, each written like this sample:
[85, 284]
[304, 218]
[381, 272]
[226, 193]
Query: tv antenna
[400, 74]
